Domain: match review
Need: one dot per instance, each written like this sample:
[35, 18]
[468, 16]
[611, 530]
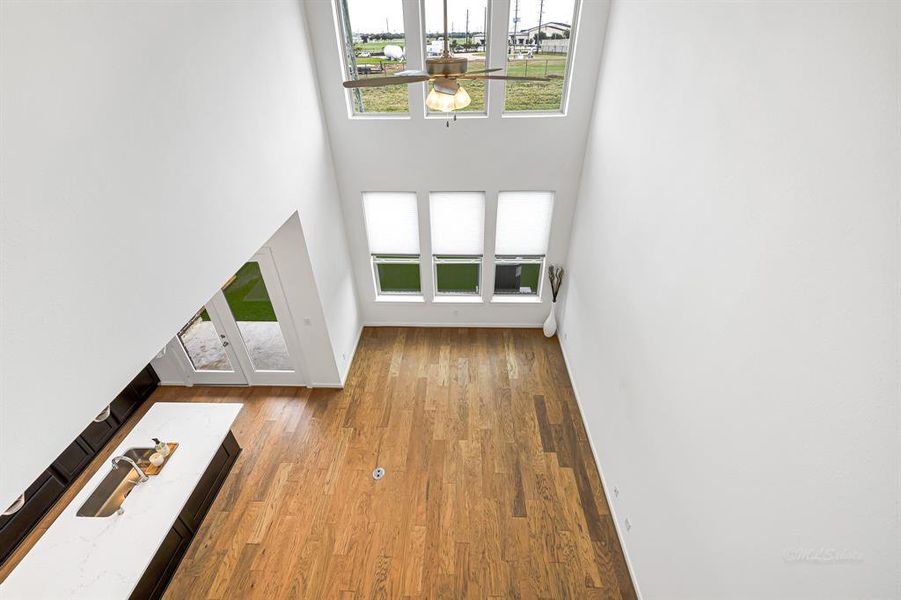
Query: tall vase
[550, 324]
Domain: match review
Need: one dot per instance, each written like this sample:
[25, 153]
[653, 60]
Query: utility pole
[387, 29]
[515, 21]
[467, 26]
[540, 17]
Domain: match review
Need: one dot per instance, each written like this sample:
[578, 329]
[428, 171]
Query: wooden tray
[150, 469]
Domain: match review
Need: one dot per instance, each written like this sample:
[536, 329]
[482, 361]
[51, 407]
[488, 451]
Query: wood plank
[490, 490]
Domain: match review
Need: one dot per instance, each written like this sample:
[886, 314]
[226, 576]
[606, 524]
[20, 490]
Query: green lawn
[247, 296]
[458, 278]
[536, 95]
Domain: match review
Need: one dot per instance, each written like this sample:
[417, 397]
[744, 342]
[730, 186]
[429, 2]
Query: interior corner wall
[148, 150]
[731, 311]
[323, 340]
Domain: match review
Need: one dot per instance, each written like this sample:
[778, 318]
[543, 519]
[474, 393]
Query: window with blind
[458, 228]
[523, 229]
[392, 228]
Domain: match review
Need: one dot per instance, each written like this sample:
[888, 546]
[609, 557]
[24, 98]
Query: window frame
[567, 75]
[463, 114]
[458, 259]
[510, 259]
[343, 36]
[398, 259]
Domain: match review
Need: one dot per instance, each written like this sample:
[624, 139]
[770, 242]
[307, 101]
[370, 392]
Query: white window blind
[523, 223]
[392, 222]
[458, 222]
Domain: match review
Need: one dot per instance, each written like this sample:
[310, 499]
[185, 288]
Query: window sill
[439, 116]
[380, 117]
[516, 300]
[531, 114]
[458, 300]
[401, 298]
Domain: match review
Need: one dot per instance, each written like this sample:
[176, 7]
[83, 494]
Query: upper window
[458, 231]
[523, 228]
[374, 46]
[538, 45]
[392, 228]
[468, 37]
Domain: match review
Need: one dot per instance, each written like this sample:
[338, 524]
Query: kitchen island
[135, 553]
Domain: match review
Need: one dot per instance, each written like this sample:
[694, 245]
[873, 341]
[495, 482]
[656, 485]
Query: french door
[244, 335]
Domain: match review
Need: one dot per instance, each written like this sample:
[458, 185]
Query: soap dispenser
[161, 447]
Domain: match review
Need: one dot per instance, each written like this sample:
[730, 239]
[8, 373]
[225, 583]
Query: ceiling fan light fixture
[442, 102]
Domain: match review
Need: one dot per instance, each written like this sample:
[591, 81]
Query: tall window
[458, 228]
[468, 37]
[392, 227]
[374, 46]
[523, 228]
[538, 44]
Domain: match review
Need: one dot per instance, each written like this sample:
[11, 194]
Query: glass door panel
[251, 307]
[203, 345]
[244, 334]
[208, 358]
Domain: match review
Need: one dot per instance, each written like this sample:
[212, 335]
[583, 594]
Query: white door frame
[282, 313]
[244, 372]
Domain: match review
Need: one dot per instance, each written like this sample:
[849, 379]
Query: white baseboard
[610, 498]
[346, 369]
[456, 324]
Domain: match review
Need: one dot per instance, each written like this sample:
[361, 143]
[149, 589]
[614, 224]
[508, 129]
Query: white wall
[732, 311]
[148, 149]
[419, 154]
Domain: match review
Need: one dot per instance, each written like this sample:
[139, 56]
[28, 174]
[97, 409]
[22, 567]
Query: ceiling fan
[446, 95]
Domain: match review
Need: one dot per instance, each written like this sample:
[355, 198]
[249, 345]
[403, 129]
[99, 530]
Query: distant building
[550, 30]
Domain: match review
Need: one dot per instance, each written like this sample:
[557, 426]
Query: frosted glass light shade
[446, 102]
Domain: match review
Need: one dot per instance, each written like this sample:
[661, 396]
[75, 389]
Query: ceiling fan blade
[504, 78]
[383, 81]
[482, 71]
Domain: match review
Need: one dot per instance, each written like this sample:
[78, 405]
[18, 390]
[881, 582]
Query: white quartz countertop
[104, 557]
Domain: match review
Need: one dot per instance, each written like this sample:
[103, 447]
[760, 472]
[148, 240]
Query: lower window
[458, 275]
[518, 275]
[397, 274]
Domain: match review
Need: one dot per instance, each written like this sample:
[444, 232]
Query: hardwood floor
[490, 487]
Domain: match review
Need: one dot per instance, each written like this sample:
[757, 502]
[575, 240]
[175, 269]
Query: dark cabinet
[144, 384]
[73, 460]
[99, 433]
[164, 563]
[51, 484]
[38, 499]
[200, 501]
[124, 405]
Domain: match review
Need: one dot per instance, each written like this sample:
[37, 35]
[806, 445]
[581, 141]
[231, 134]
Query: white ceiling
[420, 154]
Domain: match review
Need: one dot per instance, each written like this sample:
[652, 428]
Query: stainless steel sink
[109, 496]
